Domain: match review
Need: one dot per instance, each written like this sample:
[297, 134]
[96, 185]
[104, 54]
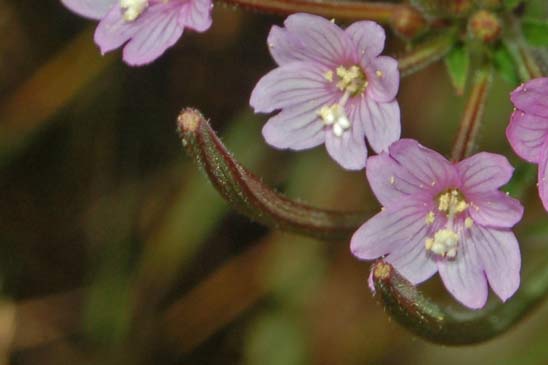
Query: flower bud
[408, 22]
[484, 26]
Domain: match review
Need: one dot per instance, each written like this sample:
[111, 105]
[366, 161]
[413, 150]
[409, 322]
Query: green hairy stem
[450, 325]
[250, 196]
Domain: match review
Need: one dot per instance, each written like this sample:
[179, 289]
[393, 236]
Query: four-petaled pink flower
[146, 27]
[528, 129]
[332, 87]
[444, 217]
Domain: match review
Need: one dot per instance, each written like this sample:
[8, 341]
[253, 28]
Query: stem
[521, 52]
[249, 195]
[347, 10]
[473, 114]
[426, 53]
[529, 61]
[447, 325]
[527, 66]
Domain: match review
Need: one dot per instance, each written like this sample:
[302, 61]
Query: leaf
[511, 4]
[458, 63]
[535, 32]
[505, 65]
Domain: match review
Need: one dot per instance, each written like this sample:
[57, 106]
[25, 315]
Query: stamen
[444, 243]
[133, 8]
[452, 202]
[468, 222]
[328, 75]
[443, 202]
[430, 218]
[351, 79]
[445, 240]
[335, 116]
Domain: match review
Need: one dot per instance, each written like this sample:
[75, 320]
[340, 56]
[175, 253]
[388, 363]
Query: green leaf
[511, 4]
[535, 32]
[458, 63]
[505, 65]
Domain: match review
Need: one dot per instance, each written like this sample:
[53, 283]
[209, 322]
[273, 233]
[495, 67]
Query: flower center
[351, 81]
[133, 8]
[445, 240]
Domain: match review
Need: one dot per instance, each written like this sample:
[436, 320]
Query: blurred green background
[115, 250]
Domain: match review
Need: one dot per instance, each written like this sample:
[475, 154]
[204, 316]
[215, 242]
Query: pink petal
[409, 171]
[297, 127]
[288, 85]
[484, 172]
[113, 31]
[543, 177]
[196, 15]
[388, 230]
[348, 150]
[500, 258]
[495, 209]
[383, 78]
[155, 30]
[284, 46]
[411, 259]
[381, 122]
[532, 97]
[463, 277]
[389, 181]
[368, 36]
[527, 134]
[93, 9]
[153, 39]
[319, 40]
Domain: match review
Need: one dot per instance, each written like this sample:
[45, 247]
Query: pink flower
[444, 217]
[332, 87]
[528, 129]
[146, 27]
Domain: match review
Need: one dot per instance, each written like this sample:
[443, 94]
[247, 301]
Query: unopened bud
[484, 26]
[408, 22]
[189, 120]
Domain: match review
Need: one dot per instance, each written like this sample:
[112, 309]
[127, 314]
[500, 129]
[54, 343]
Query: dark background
[114, 249]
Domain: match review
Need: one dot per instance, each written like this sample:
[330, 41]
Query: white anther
[343, 122]
[335, 116]
[452, 253]
[444, 243]
[133, 8]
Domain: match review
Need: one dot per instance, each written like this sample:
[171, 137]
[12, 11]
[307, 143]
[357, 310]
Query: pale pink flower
[146, 28]
[332, 87]
[444, 217]
[528, 129]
